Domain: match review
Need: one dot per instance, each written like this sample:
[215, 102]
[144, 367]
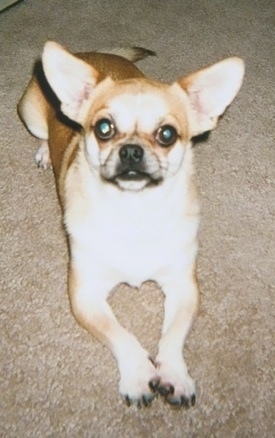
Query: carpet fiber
[56, 381]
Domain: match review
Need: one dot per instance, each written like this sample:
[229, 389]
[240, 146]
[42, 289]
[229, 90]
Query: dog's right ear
[72, 80]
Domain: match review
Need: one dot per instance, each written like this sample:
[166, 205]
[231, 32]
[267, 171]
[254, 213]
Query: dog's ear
[210, 91]
[72, 80]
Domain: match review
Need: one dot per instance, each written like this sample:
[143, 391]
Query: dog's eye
[166, 135]
[104, 129]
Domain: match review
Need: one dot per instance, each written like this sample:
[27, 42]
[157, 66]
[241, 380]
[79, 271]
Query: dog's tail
[131, 53]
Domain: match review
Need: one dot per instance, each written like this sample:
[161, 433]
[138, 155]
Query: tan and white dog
[120, 146]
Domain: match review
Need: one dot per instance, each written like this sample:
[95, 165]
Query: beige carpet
[56, 381]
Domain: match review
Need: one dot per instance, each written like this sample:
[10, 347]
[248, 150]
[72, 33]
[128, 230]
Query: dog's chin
[133, 180]
[131, 185]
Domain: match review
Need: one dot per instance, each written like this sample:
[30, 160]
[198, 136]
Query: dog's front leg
[181, 304]
[138, 375]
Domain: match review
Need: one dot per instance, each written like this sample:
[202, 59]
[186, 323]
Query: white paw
[42, 156]
[175, 384]
[139, 379]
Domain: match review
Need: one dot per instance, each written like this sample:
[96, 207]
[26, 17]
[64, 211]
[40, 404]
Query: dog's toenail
[153, 385]
[127, 400]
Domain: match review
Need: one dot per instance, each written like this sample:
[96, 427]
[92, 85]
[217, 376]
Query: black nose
[131, 154]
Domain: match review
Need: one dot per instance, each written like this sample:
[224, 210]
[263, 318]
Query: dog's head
[136, 130]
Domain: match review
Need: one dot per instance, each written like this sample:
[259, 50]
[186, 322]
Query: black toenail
[153, 385]
[127, 400]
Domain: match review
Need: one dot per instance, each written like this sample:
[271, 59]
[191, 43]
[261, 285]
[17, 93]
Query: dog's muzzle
[132, 167]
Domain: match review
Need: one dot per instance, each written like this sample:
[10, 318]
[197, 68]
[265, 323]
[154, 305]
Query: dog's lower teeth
[132, 175]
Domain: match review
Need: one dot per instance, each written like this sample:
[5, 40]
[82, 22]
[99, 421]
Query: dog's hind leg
[32, 109]
[42, 156]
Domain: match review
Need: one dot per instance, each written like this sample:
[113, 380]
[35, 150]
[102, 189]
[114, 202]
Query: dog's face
[134, 136]
[136, 130]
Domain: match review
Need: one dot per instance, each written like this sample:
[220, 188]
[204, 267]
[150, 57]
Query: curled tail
[131, 53]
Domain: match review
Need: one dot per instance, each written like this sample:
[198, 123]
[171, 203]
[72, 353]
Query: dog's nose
[131, 154]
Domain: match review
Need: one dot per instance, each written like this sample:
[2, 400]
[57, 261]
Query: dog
[120, 145]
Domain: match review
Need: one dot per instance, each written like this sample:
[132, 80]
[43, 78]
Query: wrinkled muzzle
[132, 167]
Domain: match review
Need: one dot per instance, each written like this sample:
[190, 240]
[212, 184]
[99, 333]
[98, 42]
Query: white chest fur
[131, 235]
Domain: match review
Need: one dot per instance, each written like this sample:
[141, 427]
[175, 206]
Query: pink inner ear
[204, 101]
[82, 96]
[196, 101]
[200, 102]
[86, 93]
[87, 87]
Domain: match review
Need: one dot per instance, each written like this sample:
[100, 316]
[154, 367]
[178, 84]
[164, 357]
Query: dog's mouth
[133, 175]
[134, 180]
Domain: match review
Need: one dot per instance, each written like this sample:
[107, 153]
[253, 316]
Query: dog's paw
[175, 385]
[139, 380]
[42, 156]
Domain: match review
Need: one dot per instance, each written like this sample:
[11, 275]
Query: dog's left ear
[210, 91]
[72, 80]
